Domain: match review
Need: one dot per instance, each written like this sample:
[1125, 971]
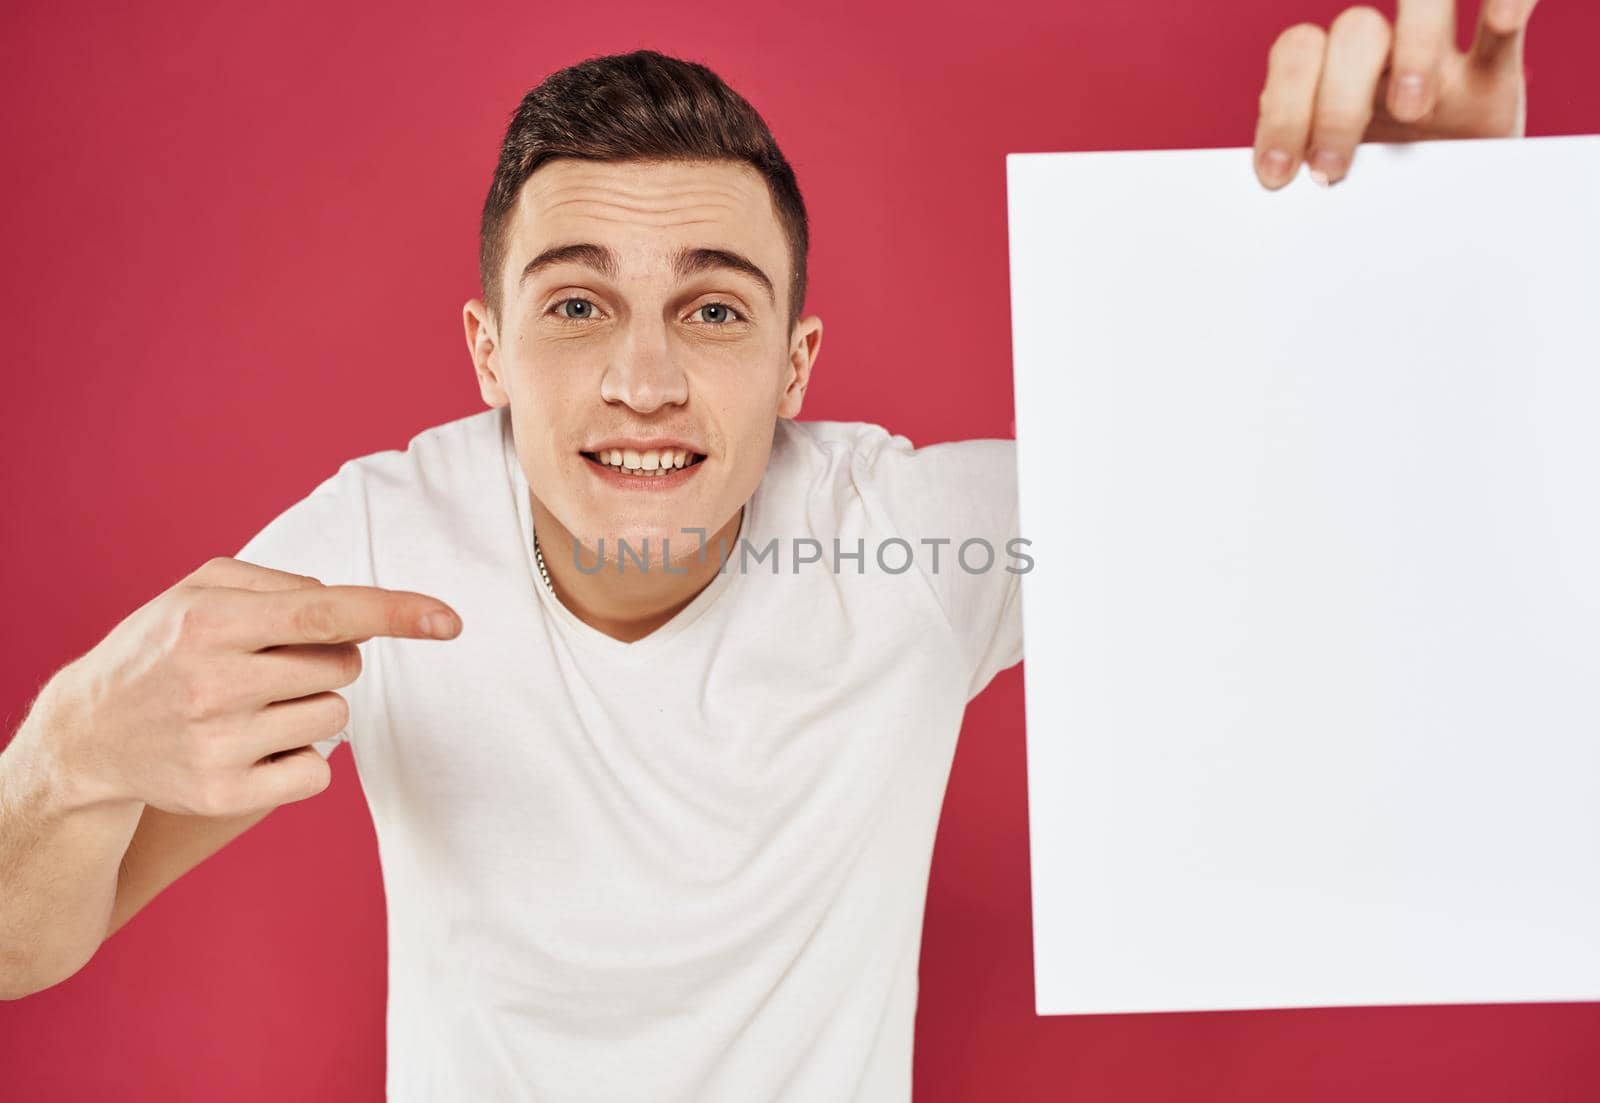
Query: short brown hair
[642, 105]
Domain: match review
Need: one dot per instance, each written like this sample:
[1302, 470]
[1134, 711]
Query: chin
[644, 543]
[651, 542]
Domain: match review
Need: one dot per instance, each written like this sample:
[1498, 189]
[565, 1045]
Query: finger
[1502, 25]
[1423, 31]
[1358, 48]
[287, 725]
[339, 614]
[299, 774]
[1294, 65]
[298, 670]
[227, 571]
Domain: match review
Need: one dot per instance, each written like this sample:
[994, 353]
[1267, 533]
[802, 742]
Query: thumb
[1502, 29]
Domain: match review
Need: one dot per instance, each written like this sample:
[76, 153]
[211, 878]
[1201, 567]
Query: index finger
[1424, 31]
[225, 570]
[341, 614]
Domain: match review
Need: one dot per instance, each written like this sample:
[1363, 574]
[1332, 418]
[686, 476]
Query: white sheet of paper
[1312, 480]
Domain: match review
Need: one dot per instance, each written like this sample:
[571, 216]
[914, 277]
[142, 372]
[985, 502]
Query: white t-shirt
[689, 868]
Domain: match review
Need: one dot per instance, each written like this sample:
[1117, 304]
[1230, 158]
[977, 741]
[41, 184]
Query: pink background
[239, 242]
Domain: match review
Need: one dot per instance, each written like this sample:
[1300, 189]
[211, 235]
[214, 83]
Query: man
[656, 822]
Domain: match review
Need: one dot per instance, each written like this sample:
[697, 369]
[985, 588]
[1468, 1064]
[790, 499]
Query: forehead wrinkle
[643, 201]
[701, 185]
[707, 211]
[657, 224]
[696, 188]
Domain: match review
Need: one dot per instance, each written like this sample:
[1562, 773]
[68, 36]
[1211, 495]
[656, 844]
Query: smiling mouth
[667, 464]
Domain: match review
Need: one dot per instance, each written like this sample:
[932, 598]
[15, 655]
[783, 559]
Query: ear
[803, 348]
[482, 347]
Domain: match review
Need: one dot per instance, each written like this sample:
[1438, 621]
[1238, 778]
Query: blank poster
[1312, 480]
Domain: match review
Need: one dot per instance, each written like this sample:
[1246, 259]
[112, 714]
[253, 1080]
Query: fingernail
[1411, 93]
[1325, 167]
[441, 626]
[1275, 164]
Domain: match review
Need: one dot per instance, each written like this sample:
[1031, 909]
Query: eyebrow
[685, 262]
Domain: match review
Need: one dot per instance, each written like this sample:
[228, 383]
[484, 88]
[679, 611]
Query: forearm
[59, 859]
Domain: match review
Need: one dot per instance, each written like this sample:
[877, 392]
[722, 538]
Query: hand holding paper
[1362, 80]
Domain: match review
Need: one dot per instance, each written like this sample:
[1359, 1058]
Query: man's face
[659, 347]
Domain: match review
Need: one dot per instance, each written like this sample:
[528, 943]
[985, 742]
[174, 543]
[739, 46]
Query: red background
[239, 242]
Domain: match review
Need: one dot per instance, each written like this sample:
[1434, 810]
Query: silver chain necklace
[538, 555]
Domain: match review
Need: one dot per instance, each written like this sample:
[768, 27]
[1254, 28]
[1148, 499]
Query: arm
[59, 854]
[191, 721]
[74, 871]
[164, 848]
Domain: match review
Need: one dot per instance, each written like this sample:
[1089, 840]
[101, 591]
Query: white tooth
[630, 458]
[614, 456]
[650, 460]
[678, 457]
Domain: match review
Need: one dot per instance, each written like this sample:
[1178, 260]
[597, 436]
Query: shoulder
[434, 458]
[873, 456]
[389, 503]
[832, 441]
[865, 445]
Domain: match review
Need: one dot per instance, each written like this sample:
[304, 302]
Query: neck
[630, 604]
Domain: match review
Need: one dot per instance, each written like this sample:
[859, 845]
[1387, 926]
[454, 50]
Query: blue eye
[565, 317]
[721, 306]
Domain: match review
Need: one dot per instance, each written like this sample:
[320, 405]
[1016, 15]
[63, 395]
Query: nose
[644, 375]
